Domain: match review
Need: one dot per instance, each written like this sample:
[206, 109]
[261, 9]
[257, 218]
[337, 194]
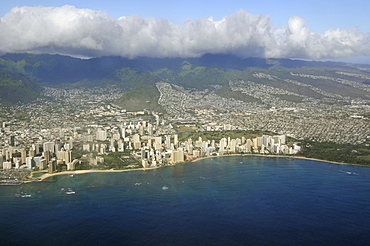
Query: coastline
[48, 175]
[283, 156]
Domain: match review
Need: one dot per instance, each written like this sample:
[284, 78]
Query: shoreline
[283, 156]
[48, 175]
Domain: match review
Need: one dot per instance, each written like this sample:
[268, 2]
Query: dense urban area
[78, 129]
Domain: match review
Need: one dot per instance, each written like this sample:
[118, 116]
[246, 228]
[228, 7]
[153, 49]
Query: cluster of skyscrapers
[141, 140]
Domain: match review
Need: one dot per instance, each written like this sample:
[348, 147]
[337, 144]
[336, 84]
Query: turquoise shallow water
[235, 200]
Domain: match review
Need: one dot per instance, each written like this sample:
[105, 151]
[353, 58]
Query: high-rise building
[175, 140]
[277, 139]
[213, 143]
[149, 143]
[112, 144]
[255, 144]
[9, 153]
[283, 139]
[232, 145]
[136, 138]
[181, 154]
[29, 162]
[158, 140]
[121, 146]
[265, 140]
[259, 141]
[222, 145]
[47, 156]
[272, 143]
[23, 156]
[31, 152]
[17, 164]
[158, 143]
[36, 148]
[150, 129]
[157, 120]
[37, 160]
[248, 146]
[262, 151]
[141, 130]
[102, 149]
[49, 146]
[168, 142]
[71, 165]
[143, 154]
[12, 140]
[116, 135]
[70, 143]
[190, 150]
[86, 147]
[66, 146]
[101, 135]
[137, 145]
[60, 155]
[52, 165]
[177, 156]
[7, 165]
[43, 164]
[67, 156]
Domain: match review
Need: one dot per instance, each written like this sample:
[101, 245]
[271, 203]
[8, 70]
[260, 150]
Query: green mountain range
[16, 87]
[22, 75]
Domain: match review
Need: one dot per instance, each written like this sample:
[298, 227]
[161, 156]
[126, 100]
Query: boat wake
[349, 173]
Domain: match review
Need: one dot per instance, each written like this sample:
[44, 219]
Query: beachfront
[48, 175]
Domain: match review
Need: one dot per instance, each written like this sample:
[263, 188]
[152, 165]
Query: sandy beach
[48, 175]
[280, 156]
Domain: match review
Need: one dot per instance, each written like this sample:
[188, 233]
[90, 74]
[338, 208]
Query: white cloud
[85, 32]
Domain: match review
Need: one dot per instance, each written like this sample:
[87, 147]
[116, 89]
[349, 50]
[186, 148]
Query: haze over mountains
[263, 82]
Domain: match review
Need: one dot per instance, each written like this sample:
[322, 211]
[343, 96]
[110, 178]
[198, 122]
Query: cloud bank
[84, 32]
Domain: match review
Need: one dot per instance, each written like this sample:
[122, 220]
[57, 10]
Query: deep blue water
[235, 200]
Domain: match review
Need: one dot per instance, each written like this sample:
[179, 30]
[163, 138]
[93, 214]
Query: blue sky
[323, 29]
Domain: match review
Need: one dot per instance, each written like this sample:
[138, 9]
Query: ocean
[231, 200]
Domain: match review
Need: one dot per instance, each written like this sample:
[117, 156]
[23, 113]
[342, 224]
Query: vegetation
[342, 153]
[16, 87]
[119, 161]
[141, 74]
[217, 135]
[226, 92]
[139, 98]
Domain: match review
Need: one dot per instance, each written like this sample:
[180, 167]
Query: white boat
[23, 194]
[70, 191]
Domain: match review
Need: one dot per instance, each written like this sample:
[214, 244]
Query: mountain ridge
[141, 74]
